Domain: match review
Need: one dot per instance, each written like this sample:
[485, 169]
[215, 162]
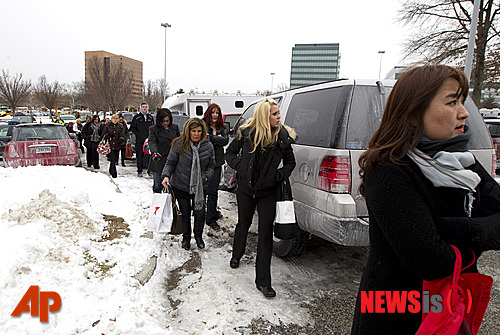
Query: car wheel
[292, 247]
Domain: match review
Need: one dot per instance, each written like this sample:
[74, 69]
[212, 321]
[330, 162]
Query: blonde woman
[189, 166]
[265, 143]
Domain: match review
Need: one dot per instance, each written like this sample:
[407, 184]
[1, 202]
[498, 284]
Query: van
[335, 122]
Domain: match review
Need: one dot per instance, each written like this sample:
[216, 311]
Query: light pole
[380, 66]
[272, 80]
[166, 25]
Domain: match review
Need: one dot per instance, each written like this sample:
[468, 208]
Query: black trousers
[213, 196]
[93, 155]
[113, 161]
[266, 208]
[142, 160]
[123, 152]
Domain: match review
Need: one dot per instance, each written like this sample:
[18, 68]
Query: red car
[41, 144]
[231, 119]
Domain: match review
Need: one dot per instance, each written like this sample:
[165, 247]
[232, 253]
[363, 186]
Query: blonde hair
[260, 131]
[114, 116]
[185, 136]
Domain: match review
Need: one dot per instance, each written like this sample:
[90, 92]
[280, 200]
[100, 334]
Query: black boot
[186, 235]
[186, 243]
[198, 232]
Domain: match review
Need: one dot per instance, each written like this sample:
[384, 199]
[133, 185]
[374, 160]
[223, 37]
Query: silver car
[334, 122]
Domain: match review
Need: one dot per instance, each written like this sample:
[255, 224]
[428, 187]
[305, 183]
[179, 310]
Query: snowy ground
[82, 234]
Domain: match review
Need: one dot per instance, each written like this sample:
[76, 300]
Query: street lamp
[272, 79]
[166, 25]
[380, 67]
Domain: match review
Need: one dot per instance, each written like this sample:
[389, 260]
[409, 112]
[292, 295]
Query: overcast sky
[224, 45]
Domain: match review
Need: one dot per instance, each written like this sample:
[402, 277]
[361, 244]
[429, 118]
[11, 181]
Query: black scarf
[458, 143]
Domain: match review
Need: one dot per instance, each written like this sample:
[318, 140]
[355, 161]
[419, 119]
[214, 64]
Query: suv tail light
[335, 174]
[10, 151]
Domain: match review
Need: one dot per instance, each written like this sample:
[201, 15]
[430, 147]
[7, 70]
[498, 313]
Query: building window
[239, 104]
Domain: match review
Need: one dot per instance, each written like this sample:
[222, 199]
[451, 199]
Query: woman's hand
[165, 182]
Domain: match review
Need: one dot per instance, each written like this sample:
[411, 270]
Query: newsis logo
[406, 301]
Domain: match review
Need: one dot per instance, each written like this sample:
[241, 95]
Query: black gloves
[455, 230]
[156, 156]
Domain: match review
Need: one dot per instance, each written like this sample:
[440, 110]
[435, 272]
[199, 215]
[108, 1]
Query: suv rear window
[317, 116]
[366, 112]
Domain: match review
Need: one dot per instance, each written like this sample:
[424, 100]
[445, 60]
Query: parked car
[5, 135]
[22, 119]
[41, 144]
[231, 119]
[128, 116]
[67, 118]
[493, 126]
[179, 120]
[334, 122]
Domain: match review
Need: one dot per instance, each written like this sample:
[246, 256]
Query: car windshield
[39, 133]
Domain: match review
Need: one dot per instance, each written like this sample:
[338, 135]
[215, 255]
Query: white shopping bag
[285, 213]
[160, 214]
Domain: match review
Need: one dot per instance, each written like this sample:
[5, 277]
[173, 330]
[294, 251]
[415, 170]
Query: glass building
[314, 63]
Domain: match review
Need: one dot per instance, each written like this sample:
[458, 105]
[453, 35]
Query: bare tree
[282, 87]
[153, 94]
[48, 94]
[107, 87]
[13, 90]
[441, 31]
[74, 94]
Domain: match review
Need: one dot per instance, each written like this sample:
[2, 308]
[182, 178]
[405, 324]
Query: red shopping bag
[465, 297]
[128, 151]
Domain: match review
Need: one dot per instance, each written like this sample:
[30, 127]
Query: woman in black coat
[219, 136]
[91, 133]
[189, 167]
[113, 131]
[265, 143]
[160, 139]
[424, 191]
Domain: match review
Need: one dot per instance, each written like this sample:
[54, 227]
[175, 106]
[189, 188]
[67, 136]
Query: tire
[292, 247]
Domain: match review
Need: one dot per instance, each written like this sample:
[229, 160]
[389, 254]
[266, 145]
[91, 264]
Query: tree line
[101, 91]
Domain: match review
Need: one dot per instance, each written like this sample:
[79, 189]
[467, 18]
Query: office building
[111, 61]
[314, 63]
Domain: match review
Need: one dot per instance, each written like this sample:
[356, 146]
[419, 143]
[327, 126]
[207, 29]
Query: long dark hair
[208, 116]
[401, 127]
[190, 124]
[162, 113]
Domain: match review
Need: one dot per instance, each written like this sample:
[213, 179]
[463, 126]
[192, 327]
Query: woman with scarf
[91, 132]
[265, 144]
[113, 131]
[219, 136]
[424, 191]
[189, 166]
[160, 138]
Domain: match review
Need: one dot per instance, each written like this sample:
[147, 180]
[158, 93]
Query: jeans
[185, 206]
[157, 186]
[213, 188]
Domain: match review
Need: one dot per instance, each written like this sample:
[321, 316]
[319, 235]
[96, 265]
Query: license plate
[43, 150]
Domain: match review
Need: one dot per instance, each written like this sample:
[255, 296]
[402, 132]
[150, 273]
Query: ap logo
[39, 303]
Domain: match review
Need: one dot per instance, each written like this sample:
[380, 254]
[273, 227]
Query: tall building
[110, 61]
[314, 63]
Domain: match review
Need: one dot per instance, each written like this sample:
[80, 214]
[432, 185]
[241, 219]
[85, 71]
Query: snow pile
[82, 235]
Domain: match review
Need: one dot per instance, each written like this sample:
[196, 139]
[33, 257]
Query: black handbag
[177, 220]
[285, 224]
